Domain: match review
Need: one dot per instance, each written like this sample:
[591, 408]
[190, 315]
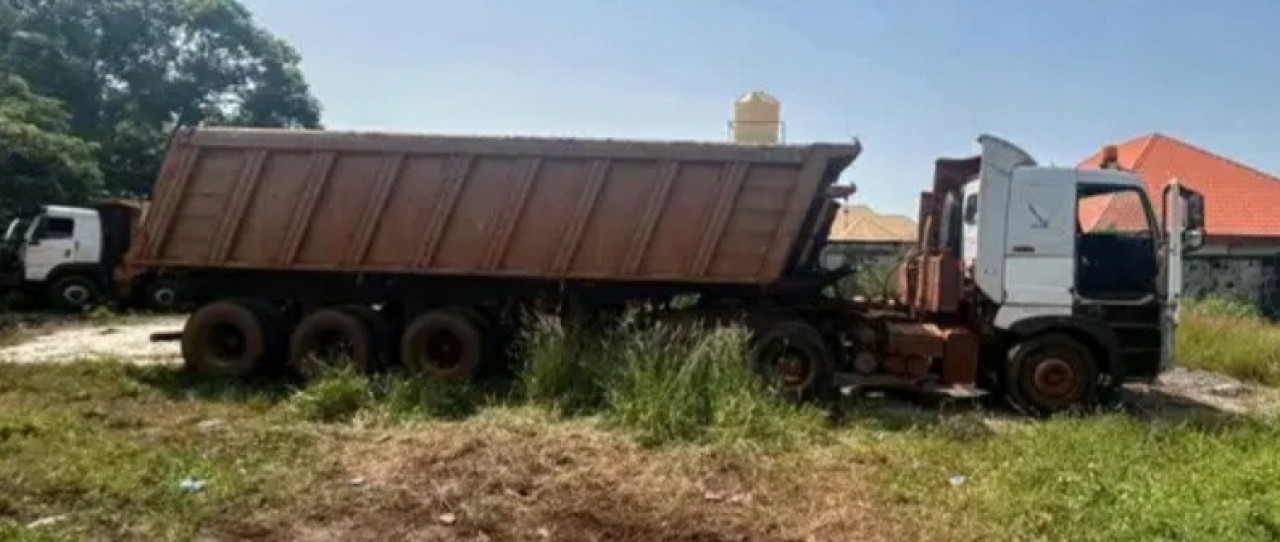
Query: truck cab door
[1040, 242]
[51, 243]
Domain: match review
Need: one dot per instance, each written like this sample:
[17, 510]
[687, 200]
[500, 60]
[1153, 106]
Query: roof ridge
[1216, 156]
[1150, 142]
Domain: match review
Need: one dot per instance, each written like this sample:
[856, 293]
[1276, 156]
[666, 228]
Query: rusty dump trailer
[417, 236]
[232, 200]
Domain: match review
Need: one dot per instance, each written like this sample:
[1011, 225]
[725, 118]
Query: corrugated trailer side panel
[552, 209]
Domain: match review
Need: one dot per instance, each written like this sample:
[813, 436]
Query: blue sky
[913, 79]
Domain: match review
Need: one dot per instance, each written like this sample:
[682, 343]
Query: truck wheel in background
[227, 339]
[332, 338]
[445, 344]
[161, 295]
[1051, 373]
[793, 359]
[73, 293]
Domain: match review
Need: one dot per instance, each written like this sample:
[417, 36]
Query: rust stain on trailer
[653, 211]
[233, 218]
[456, 170]
[372, 215]
[511, 214]
[317, 177]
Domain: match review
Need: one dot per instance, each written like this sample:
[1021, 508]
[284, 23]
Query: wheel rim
[227, 342]
[442, 350]
[1055, 378]
[76, 294]
[329, 348]
[792, 369]
[164, 297]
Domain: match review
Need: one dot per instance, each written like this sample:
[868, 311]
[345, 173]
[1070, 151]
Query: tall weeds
[1232, 338]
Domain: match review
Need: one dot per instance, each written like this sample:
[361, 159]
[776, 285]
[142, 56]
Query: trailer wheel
[331, 337]
[443, 344]
[793, 359]
[73, 293]
[1049, 374]
[226, 339]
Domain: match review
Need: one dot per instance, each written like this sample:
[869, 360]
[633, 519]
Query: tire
[73, 293]
[1049, 374]
[329, 333]
[380, 329]
[226, 339]
[793, 359]
[161, 295]
[443, 344]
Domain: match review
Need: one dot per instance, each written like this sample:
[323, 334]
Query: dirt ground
[129, 339]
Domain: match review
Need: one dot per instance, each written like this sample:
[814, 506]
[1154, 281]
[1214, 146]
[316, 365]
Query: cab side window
[58, 228]
[1115, 243]
[971, 210]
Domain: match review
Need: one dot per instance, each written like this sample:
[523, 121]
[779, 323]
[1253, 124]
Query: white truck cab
[69, 254]
[1076, 249]
[60, 237]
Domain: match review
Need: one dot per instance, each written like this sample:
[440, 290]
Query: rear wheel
[793, 359]
[331, 338]
[1051, 373]
[74, 293]
[161, 295]
[227, 339]
[444, 344]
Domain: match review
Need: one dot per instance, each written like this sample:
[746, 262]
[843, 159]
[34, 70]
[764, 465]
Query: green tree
[128, 71]
[40, 161]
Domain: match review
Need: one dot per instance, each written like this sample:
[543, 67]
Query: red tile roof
[858, 223]
[1239, 201]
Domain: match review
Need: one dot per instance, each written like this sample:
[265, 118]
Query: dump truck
[69, 257]
[414, 250]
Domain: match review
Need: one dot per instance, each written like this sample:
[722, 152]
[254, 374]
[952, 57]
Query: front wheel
[793, 359]
[1051, 373]
[73, 294]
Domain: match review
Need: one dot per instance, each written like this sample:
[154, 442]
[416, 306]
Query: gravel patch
[1182, 388]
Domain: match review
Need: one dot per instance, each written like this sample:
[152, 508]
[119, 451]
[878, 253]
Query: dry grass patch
[519, 475]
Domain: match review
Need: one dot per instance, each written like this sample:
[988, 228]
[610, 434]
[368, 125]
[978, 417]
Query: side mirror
[1195, 209]
[1192, 240]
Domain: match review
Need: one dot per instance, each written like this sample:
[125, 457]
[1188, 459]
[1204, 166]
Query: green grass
[98, 447]
[1231, 338]
[341, 395]
[1101, 478]
[665, 384]
[688, 385]
[107, 444]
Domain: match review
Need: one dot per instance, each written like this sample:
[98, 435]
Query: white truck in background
[68, 258]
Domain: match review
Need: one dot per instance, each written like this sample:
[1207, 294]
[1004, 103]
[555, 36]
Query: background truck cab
[68, 256]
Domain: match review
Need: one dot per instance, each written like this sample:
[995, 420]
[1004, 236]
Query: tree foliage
[41, 161]
[126, 72]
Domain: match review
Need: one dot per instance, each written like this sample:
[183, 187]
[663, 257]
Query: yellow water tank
[757, 118]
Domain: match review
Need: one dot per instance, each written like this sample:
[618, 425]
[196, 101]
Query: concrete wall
[1251, 278]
